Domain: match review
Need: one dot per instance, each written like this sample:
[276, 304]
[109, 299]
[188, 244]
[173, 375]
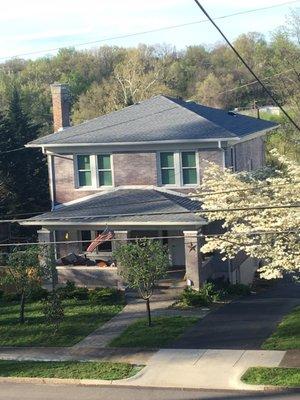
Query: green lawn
[273, 376]
[81, 318]
[287, 334]
[163, 331]
[67, 369]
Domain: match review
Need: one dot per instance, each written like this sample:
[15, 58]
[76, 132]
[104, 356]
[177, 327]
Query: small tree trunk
[22, 308]
[148, 311]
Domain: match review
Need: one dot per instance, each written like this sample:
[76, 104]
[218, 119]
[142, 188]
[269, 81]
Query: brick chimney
[61, 106]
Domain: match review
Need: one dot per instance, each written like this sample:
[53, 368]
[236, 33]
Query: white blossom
[268, 234]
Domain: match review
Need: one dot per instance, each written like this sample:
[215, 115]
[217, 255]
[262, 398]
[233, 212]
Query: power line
[124, 36]
[242, 234]
[11, 151]
[211, 193]
[191, 196]
[247, 66]
[254, 82]
[136, 214]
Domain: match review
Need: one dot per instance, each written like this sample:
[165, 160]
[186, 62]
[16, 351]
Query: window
[86, 238]
[105, 246]
[167, 168]
[189, 168]
[84, 170]
[178, 168]
[93, 171]
[104, 170]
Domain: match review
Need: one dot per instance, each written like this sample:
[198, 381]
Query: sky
[37, 26]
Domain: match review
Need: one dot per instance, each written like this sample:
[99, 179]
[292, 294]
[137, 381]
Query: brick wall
[213, 155]
[250, 154]
[128, 168]
[135, 168]
[64, 185]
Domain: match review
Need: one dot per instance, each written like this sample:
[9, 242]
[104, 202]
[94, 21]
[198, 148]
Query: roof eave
[45, 145]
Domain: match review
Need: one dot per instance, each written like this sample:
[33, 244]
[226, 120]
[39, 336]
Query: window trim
[98, 170]
[178, 169]
[94, 171]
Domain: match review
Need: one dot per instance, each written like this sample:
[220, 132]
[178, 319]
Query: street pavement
[12, 391]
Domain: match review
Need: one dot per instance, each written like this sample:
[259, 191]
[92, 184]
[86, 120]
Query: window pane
[188, 159]
[83, 162]
[86, 239]
[85, 178]
[167, 160]
[189, 176]
[104, 161]
[105, 246]
[105, 178]
[168, 176]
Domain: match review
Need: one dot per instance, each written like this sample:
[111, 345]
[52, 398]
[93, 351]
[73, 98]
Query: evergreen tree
[23, 173]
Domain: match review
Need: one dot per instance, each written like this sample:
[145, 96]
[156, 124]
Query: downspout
[223, 154]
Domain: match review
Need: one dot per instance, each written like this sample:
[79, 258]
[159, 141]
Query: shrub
[70, 291]
[106, 296]
[195, 298]
[10, 297]
[53, 310]
[38, 293]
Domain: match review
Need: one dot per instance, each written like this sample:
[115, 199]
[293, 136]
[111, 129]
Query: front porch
[183, 246]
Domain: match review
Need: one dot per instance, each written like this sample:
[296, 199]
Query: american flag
[101, 238]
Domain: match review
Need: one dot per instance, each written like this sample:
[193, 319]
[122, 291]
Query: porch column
[44, 235]
[121, 238]
[193, 259]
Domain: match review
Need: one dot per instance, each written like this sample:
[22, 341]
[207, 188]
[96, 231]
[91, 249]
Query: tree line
[109, 78]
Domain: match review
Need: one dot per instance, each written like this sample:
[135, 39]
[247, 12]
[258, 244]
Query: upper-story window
[94, 171]
[84, 170]
[104, 170]
[167, 166]
[179, 168]
[189, 168]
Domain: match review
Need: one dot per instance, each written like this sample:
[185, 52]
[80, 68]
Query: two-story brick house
[131, 170]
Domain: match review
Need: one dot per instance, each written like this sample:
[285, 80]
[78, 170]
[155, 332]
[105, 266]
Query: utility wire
[254, 82]
[11, 151]
[136, 214]
[190, 196]
[66, 242]
[152, 30]
[211, 193]
[247, 66]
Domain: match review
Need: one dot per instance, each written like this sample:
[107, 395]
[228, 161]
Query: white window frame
[178, 169]
[77, 184]
[98, 170]
[94, 171]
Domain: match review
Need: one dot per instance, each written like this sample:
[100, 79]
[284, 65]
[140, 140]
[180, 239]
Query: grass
[163, 331]
[287, 334]
[67, 369]
[80, 319]
[289, 377]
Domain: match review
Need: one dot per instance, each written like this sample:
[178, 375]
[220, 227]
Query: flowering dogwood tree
[259, 217]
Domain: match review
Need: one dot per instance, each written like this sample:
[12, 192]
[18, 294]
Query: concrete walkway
[203, 369]
[245, 323]
[163, 298]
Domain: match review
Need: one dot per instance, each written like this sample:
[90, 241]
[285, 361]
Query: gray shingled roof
[127, 205]
[160, 118]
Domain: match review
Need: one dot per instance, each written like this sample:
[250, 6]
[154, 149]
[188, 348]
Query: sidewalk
[203, 369]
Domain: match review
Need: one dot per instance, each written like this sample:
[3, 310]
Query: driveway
[245, 323]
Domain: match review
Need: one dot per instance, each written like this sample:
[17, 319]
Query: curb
[129, 383]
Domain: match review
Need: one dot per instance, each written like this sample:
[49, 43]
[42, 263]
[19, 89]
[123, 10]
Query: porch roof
[125, 207]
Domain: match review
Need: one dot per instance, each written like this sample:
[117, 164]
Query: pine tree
[23, 173]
